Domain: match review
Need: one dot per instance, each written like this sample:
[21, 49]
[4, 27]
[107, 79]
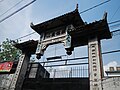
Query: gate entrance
[70, 30]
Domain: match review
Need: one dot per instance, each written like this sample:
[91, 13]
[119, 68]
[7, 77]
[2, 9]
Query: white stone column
[20, 72]
[95, 64]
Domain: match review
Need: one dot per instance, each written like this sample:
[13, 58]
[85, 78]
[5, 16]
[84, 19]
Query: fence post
[54, 73]
[70, 73]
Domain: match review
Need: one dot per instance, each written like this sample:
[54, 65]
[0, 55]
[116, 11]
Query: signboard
[6, 66]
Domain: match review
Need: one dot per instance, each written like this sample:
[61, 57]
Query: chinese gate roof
[64, 20]
[82, 31]
[97, 29]
[28, 47]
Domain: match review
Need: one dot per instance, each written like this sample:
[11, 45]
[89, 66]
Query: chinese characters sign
[6, 66]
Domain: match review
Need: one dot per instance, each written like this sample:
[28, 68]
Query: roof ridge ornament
[105, 16]
[31, 24]
[76, 6]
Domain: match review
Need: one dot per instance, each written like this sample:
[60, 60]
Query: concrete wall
[112, 83]
[35, 70]
[108, 83]
[5, 81]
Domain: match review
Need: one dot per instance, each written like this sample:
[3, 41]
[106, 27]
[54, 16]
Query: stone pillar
[95, 64]
[19, 75]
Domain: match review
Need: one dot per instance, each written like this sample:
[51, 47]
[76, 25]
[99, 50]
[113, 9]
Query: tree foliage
[8, 52]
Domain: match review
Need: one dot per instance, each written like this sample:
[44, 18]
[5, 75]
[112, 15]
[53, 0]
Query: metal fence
[69, 72]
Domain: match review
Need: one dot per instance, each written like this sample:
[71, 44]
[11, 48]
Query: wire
[94, 6]
[35, 32]
[118, 30]
[115, 33]
[70, 59]
[85, 57]
[114, 22]
[108, 23]
[25, 36]
[35, 0]
[66, 64]
[11, 8]
[80, 13]
[17, 11]
[114, 26]
[1, 1]
[115, 13]
[111, 51]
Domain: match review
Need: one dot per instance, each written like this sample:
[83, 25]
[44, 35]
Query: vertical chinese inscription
[94, 64]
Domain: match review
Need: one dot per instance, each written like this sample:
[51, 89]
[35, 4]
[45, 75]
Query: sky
[18, 25]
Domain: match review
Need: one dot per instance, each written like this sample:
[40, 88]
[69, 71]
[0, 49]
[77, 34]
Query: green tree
[8, 52]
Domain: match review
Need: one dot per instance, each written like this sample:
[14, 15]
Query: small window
[118, 68]
[111, 68]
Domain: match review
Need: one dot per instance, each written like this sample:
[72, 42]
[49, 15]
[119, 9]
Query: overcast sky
[41, 10]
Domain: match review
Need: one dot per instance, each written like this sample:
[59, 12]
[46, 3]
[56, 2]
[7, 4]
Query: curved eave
[27, 47]
[99, 28]
[64, 20]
